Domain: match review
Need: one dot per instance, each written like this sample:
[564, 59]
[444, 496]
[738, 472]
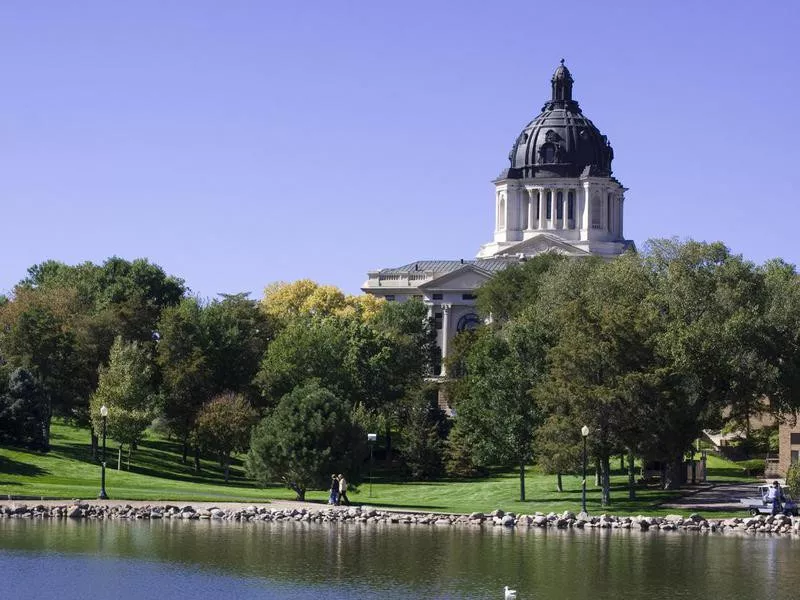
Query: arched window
[560, 205]
[501, 212]
[548, 153]
[597, 218]
[526, 208]
[571, 205]
[549, 214]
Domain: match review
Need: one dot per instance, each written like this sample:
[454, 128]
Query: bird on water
[510, 594]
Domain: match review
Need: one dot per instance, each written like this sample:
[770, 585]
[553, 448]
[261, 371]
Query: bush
[793, 480]
[753, 467]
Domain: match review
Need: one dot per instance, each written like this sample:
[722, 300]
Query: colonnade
[549, 208]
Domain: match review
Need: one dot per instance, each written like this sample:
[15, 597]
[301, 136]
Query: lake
[66, 560]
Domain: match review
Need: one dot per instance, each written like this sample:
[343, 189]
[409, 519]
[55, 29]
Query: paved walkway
[716, 497]
[275, 504]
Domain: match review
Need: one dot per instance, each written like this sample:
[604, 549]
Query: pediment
[544, 242]
[468, 277]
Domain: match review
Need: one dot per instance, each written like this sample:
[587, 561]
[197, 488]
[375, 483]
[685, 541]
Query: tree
[713, 336]
[183, 360]
[126, 389]
[34, 336]
[497, 414]
[237, 332]
[602, 352]
[224, 425]
[308, 348]
[308, 436]
[424, 431]
[23, 411]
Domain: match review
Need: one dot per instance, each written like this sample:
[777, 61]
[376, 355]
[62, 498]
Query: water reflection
[305, 560]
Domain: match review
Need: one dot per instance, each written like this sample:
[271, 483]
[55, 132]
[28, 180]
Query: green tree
[308, 436]
[23, 411]
[224, 425]
[497, 415]
[126, 389]
[186, 376]
[237, 332]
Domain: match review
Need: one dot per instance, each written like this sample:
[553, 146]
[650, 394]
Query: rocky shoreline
[778, 524]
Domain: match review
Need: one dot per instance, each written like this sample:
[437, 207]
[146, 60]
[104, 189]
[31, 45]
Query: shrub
[793, 480]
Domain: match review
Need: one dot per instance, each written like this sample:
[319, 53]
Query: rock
[74, 512]
[508, 521]
[497, 513]
[476, 515]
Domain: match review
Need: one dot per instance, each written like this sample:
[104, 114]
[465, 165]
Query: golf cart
[762, 505]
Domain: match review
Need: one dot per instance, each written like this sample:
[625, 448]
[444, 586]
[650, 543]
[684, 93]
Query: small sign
[372, 437]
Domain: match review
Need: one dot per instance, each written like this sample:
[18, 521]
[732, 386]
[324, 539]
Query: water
[66, 560]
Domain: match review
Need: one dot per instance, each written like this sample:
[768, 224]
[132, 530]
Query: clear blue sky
[238, 143]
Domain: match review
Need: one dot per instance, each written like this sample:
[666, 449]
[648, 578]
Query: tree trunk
[300, 491]
[227, 468]
[94, 444]
[196, 459]
[622, 462]
[559, 483]
[631, 476]
[672, 475]
[184, 450]
[130, 451]
[119, 458]
[522, 482]
[605, 467]
[597, 472]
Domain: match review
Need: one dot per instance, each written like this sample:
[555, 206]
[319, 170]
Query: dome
[561, 141]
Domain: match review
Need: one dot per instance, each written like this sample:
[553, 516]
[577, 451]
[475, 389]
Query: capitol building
[557, 195]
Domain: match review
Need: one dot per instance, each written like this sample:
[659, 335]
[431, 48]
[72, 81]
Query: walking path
[716, 497]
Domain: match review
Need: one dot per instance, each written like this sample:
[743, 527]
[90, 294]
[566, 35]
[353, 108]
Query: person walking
[343, 499]
[775, 496]
[334, 497]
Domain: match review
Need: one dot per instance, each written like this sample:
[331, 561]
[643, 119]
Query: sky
[240, 143]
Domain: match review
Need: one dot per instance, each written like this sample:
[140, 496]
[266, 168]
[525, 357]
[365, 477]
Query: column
[445, 335]
[565, 208]
[542, 208]
[621, 213]
[585, 211]
[531, 209]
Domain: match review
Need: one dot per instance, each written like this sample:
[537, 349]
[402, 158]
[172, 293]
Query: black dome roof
[561, 141]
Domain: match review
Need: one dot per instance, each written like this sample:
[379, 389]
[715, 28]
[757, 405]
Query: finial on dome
[562, 83]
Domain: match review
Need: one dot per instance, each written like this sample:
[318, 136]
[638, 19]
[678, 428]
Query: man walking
[343, 499]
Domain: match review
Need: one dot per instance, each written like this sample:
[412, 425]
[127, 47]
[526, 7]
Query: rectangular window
[437, 320]
[608, 213]
[571, 206]
[794, 439]
[437, 296]
[596, 216]
[468, 296]
[549, 205]
[390, 297]
[560, 206]
[795, 456]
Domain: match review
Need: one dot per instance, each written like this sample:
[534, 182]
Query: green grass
[157, 474]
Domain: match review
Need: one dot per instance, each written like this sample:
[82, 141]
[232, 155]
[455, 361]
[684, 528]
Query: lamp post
[585, 434]
[371, 438]
[103, 495]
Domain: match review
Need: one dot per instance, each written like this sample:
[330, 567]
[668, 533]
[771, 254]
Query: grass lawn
[67, 471]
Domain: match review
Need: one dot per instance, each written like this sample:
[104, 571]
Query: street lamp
[371, 438]
[585, 434]
[103, 495]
